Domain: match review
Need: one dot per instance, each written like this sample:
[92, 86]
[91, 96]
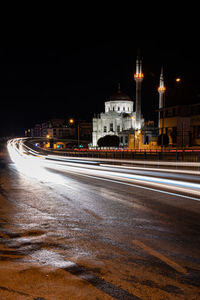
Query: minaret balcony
[161, 89]
[138, 75]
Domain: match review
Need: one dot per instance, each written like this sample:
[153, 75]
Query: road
[73, 228]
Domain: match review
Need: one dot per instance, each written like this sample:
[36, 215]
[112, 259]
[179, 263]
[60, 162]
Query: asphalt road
[93, 230]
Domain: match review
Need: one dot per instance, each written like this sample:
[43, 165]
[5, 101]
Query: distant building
[36, 131]
[78, 131]
[57, 128]
[84, 129]
[181, 124]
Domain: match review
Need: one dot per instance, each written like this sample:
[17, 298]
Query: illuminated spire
[138, 74]
[161, 88]
[161, 91]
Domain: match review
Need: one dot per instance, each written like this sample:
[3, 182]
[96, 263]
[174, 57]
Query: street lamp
[72, 122]
[50, 140]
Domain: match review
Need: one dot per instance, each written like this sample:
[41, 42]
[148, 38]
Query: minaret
[138, 76]
[161, 91]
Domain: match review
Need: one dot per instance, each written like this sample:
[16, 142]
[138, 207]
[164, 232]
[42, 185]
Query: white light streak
[31, 164]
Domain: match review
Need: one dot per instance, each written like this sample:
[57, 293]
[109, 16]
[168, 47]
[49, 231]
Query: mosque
[121, 118]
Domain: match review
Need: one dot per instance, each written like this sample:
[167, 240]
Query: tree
[109, 141]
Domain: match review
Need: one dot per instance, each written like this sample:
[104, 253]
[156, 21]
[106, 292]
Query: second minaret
[138, 76]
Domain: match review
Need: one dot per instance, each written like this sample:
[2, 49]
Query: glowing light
[31, 164]
[71, 121]
[138, 75]
[161, 89]
[48, 136]
[178, 79]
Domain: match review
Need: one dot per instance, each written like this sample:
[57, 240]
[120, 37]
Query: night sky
[75, 77]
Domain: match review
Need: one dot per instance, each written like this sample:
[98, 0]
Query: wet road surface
[70, 234]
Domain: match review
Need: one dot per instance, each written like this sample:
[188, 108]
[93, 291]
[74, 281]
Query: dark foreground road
[73, 235]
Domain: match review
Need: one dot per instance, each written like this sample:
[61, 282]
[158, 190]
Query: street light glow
[71, 121]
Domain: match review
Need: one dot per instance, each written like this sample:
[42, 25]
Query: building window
[111, 126]
[123, 108]
[118, 108]
[126, 139]
[118, 128]
[121, 139]
[105, 129]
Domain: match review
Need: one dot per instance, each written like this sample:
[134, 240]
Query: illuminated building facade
[119, 117]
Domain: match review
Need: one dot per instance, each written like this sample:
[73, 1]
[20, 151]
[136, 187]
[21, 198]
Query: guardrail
[171, 155]
[175, 155]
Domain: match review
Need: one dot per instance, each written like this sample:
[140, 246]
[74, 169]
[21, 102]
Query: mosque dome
[119, 96]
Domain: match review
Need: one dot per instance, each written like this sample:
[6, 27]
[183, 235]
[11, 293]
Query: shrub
[109, 141]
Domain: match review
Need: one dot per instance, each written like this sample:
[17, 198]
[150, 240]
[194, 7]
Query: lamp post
[50, 140]
[161, 91]
[72, 122]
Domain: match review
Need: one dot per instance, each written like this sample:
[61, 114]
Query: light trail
[33, 164]
[137, 162]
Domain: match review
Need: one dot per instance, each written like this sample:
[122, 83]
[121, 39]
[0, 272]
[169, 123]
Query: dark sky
[75, 77]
